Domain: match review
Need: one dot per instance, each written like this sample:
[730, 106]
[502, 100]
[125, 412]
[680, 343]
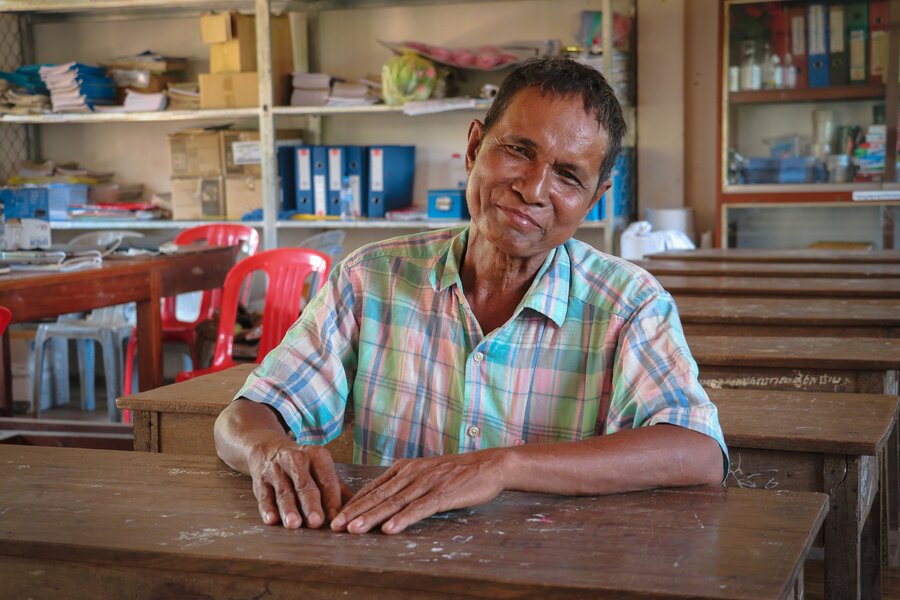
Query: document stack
[23, 92]
[140, 102]
[75, 87]
[310, 89]
[147, 72]
[352, 94]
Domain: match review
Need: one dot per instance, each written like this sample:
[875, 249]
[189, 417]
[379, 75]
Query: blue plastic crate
[61, 196]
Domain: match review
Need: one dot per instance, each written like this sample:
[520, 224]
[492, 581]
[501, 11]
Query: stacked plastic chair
[176, 330]
[109, 327]
[288, 271]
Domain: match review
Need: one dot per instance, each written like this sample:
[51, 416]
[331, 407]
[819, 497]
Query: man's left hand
[413, 489]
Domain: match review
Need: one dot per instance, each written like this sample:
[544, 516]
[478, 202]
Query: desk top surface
[669, 266]
[830, 312]
[789, 256]
[824, 422]
[812, 287]
[193, 514]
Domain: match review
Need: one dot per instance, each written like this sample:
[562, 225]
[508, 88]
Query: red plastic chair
[288, 270]
[173, 330]
[5, 318]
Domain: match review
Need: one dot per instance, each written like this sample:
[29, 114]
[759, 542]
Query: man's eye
[516, 149]
[570, 178]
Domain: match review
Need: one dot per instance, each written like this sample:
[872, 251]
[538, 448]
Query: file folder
[838, 68]
[355, 163]
[335, 178]
[303, 200]
[878, 41]
[858, 35]
[320, 180]
[797, 26]
[287, 177]
[817, 26]
[391, 171]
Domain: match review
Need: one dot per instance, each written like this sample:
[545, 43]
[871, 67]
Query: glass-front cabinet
[804, 141]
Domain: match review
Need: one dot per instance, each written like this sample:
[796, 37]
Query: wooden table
[803, 317]
[179, 418]
[115, 524]
[740, 269]
[779, 287]
[782, 256]
[822, 442]
[144, 280]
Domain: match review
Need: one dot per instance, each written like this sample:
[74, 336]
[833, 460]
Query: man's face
[533, 177]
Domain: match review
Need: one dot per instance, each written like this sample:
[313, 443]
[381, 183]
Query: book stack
[184, 96]
[75, 87]
[141, 102]
[23, 92]
[310, 89]
[869, 156]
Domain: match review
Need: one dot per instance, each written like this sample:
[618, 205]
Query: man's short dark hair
[559, 76]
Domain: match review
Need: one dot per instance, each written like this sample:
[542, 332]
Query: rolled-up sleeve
[307, 377]
[655, 378]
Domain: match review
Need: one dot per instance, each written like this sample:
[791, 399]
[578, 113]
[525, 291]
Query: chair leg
[130, 383]
[60, 369]
[37, 362]
[86, 372]
[112, 373]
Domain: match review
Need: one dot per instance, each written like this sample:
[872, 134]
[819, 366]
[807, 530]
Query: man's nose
[534, 182]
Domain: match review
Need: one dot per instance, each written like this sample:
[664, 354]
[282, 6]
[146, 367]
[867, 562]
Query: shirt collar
[548, 294]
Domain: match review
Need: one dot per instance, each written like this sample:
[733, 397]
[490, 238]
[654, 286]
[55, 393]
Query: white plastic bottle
[456, 173]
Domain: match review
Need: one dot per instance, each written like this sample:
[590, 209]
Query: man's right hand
[294, 485]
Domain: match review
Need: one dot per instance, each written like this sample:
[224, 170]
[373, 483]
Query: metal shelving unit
[266, 114]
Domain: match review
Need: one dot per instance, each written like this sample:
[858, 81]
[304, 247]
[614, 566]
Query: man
[502, 356]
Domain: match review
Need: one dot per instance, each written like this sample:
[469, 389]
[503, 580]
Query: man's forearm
[242, 426]
[644, 458]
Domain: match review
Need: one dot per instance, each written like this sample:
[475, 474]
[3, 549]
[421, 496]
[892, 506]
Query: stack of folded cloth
[352, 94]
[75, 87]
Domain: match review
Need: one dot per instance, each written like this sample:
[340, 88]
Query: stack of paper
[75, 87]
[184, 96]
[351, 94]
[311, 89]
[138, 102]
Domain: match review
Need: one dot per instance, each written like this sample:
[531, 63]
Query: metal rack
[16, 143]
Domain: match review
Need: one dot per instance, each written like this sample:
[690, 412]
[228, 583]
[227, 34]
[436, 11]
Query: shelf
[134, 117]
[829, 94]
[784, 188]
[304, 111]
[298, 224]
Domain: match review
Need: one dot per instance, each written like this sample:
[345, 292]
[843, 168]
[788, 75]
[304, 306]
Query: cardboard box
[195, 153]
[237, 54]
[241, 152]
[242, 195]
[25, 218]
[229, 90]
[198, 198]
[221, 27]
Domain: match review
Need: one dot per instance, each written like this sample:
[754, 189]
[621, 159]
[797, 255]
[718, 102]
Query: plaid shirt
[595, 347]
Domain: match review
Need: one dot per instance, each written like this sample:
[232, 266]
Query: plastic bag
[407, 77]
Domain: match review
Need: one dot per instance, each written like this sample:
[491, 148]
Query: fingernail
[388, 527]
[270, 517]
[357, 524]
[338, 522]
[314, 519]
[291, 520]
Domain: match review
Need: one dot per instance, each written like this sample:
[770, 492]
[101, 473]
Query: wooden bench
[781, 256]
[783, 317]
[779, 287]
[738, 269]
[820, 442]
[142, 525]
[69, 434]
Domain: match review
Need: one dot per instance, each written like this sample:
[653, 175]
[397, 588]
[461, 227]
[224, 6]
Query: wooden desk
[144, 280]
[179, 418]
[69, 434]
[822, 442]
[782, 256]
[116, 524]
[802, 317]
[739, 269]
[779, 287]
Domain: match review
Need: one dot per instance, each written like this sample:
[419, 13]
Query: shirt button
[478, 357]
[473, 431]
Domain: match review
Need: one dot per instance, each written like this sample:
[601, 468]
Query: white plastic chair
[109, 327]
[327, 242]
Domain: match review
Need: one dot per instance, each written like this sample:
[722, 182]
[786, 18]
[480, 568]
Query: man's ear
[597, 195]
[476, 132]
